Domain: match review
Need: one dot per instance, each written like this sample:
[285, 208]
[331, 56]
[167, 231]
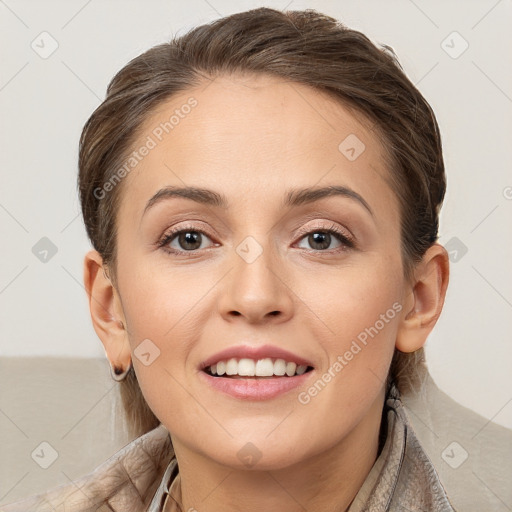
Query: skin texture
[253, 138]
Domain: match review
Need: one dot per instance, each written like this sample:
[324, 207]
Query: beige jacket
[143, 476]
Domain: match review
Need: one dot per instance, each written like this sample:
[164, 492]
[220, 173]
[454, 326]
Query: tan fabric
[126, 482]
[483, 481]
[403, 477]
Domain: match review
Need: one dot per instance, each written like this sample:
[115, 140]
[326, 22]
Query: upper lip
[251, 352]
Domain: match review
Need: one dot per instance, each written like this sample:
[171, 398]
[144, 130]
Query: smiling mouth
[266, 368]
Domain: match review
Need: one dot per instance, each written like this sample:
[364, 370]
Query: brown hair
[306, 47]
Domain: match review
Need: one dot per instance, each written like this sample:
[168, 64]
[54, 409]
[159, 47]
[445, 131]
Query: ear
[426, 299]
[106, 311]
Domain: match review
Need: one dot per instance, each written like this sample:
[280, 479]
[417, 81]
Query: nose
[257, 289]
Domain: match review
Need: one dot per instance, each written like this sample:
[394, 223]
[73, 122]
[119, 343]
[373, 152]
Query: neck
[326, 481]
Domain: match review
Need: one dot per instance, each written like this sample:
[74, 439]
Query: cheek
[165, 310]
[358, 299]
[160, 301]
[359, 316]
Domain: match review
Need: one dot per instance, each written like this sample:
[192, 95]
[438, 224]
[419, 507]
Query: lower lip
[252, 388]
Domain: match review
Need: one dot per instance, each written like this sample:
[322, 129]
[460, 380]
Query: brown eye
[183, 240]
[189, 240]
[321, 239]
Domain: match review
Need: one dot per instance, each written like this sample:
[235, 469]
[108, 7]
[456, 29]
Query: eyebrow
[293, 198]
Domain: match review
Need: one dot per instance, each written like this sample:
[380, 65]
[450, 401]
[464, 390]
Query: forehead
[250, 135]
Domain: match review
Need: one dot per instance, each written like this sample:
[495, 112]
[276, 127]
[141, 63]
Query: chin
[251, 458]
[258, 454]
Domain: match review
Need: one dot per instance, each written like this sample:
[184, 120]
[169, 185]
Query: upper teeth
[260, 368]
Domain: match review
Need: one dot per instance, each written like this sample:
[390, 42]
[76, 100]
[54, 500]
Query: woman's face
[255, 268]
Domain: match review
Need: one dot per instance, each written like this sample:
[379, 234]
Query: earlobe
[427, 297]
[106, 311]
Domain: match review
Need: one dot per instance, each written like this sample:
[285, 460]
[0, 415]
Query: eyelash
[348, 242]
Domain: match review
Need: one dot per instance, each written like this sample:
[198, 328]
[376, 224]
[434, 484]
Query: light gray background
[45, 102]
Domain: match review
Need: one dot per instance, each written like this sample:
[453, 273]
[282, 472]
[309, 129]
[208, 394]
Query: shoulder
[470, 452]
[125, 482]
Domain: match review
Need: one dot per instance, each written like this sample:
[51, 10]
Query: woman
[262, 195]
